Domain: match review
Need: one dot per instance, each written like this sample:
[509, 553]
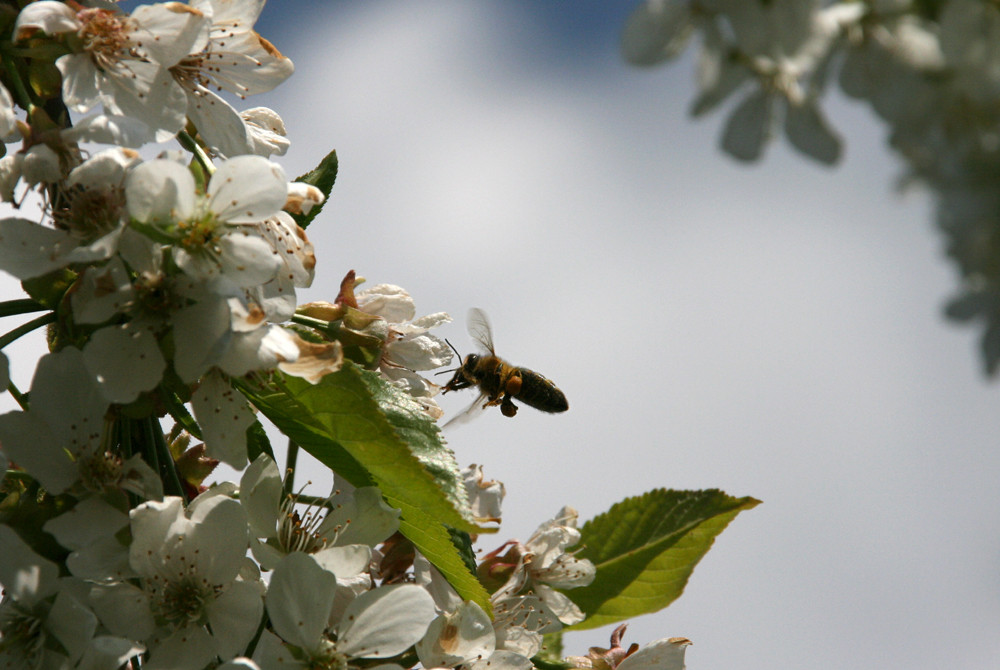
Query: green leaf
[645, 549]
[48, 290]
[434, 540]
[322, 177]
[550, 657]
[371, 433]
[179, 413]
[257, 442]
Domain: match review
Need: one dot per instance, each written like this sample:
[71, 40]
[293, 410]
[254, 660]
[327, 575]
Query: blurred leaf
[645, 549]
[809, 132]
[322, 177]
[551, 652]
[655, 32]
[371, 433]
[989, 344]
[719, 71]
[970, 305]
[749, 127]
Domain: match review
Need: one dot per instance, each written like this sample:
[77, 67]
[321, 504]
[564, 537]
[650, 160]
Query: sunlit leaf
[645, 549]
[322, 177]
[371, 433]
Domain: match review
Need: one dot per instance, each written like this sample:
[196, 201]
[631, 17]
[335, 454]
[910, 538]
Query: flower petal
[247, 189]
[29, 250]
[71, 623]
[666, 654]
[457, 638]
[299, 599]
[26, 576]
[190, 648]
[48, 16]
[385, 622]
[224, 416]
[126, 361]
[260, 495]
[90, 520]
[160, 191]
[234, 617]
[217, 539]
[748, 128]
[124, 609]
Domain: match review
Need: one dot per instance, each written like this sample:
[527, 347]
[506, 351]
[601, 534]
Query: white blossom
[122, 62]
[44, 620]
[195, 599]
[528, 604]
[8, 117]
[485, 496]
[209, 232]
[60, 440]
[236, 59]
[90, 531]
[380, 623]
[458, 637]
[409, 347]
[357, 518]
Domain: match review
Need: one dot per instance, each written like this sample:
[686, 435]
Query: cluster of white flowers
[184, 591]
[165, 283]
[929, 70]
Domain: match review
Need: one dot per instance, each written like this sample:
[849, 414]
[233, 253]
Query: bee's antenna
[456, 353]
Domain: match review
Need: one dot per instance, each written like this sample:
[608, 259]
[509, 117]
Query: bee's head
[470, 362]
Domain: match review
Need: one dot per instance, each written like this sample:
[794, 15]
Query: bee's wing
[479, 328]
[469, 413]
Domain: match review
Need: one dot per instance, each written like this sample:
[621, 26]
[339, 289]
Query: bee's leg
[513, 385]
[511, 389]
[456, 383]
[507, 407]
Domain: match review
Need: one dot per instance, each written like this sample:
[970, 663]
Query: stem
[26, 328]
[20, 90]
[309, 321]
[290, 460]
[168, 469]
[124, 436]
[17, 396]
[188, 143]
[144, 445]
[252, 647]
[20, 306]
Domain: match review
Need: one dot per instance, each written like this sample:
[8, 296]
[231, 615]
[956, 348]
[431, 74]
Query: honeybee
[500, 382]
